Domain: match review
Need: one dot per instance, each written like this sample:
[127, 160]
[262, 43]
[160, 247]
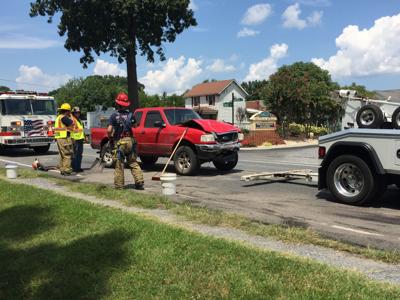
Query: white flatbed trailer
[306, 174]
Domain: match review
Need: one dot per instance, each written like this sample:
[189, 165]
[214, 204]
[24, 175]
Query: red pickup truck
[159, 129]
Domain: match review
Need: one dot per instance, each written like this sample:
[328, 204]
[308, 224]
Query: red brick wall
[258, 137]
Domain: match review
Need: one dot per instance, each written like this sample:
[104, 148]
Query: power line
[27, 83]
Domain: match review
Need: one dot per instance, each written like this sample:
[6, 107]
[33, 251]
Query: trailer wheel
[369, 116]
[351, 181]
[396, 118]
[186, 161]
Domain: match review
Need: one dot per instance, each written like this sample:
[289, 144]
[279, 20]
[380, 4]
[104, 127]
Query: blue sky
[355, 40]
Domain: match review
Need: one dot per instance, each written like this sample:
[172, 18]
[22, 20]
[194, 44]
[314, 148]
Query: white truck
[27, 120]
[358, 164]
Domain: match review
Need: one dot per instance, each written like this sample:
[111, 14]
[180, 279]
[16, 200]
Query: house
[219, 100]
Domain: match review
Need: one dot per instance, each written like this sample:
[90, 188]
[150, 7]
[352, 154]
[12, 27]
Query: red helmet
[122, 99]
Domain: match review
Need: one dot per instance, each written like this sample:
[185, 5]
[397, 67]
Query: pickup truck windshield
[27, 107]
[179, 116]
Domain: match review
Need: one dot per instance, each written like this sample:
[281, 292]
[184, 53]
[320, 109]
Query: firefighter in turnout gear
[78, 138]
[124, 144]
[64, 125]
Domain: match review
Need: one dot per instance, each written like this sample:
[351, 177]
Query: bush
[266, 144]
[296, 129]
[318, 131]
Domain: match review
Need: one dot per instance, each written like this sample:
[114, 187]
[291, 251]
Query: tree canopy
[301, 93]
[4, 88]
[101, 90]
[254, 89]
[121, 28]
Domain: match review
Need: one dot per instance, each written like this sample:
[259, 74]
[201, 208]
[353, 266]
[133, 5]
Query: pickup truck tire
[396, 118]
[351, 181]
[186, 161]
[369, 116]
[41, 149]
[107, 156]
[228, 164]
[148, 160]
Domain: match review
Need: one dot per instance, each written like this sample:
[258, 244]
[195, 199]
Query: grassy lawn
[220, 218]
[217, 218]
[54, 247]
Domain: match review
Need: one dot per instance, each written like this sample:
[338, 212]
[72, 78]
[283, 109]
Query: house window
[211, 100]
[195, 101]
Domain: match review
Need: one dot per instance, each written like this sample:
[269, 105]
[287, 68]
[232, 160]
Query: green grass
[55, 247]
[207, 216]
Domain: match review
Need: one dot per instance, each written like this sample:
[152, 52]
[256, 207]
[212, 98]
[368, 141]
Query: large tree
[4, 88]
[301, 93]
[91, 91]
[254, 89]
[119, 27]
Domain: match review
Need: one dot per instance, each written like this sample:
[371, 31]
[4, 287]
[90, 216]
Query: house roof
[208, 88]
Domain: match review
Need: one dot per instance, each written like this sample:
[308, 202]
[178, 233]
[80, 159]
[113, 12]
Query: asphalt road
[294, 202]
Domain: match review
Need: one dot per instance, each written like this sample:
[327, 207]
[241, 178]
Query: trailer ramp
[308, 175]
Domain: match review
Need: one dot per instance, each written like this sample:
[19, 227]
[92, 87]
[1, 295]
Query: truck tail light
[321, 152]
[207, 138]
[240, 137]
[16, 123]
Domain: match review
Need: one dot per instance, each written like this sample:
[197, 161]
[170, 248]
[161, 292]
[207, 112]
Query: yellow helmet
[65, 106]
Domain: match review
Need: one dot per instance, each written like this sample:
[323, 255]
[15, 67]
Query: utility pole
[233, 109]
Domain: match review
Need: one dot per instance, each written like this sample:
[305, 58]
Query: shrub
[296, 129]
[318, 131]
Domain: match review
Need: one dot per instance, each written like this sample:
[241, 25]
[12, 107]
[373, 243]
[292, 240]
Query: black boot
[139, 186]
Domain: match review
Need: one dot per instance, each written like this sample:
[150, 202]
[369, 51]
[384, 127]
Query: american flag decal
[33, 128]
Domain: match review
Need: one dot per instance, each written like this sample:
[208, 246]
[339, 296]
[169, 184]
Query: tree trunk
[133, 92]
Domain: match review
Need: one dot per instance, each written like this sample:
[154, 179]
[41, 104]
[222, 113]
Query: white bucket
[11, 171]
[168, 184]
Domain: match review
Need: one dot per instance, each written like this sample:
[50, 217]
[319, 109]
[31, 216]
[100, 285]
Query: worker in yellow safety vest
[64, 125]
[78, 138]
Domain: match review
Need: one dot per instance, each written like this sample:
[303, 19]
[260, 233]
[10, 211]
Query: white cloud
[263, 69]
[315, 18]
[175, 76]
[245, 32]
[105, 68]
[363, 52]
[291, 18]
[34, 78]
[219, 66]
[256, 14]
[19, 41]
[193, 6]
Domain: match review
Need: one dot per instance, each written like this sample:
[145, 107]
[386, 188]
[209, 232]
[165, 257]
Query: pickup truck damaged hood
[210, 125]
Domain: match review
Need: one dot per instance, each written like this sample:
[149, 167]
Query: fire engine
[27, 120]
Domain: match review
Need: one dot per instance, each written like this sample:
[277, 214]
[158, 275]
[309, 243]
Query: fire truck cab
[27, 120]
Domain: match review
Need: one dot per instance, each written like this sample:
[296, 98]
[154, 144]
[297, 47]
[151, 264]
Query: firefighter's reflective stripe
[60, 130]
[77, 133]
